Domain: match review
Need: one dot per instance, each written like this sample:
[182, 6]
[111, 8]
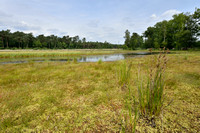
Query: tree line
[181, 32]
[23, 40]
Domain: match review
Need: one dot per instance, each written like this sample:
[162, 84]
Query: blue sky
[97, 20]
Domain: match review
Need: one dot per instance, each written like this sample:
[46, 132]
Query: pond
[88, 58]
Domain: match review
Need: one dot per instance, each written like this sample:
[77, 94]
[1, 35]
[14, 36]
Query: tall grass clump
[124, 75]
[150, 95]
[100, 61]
[129, 119]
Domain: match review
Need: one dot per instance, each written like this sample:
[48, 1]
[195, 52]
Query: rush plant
[124, 75]
[150, 95]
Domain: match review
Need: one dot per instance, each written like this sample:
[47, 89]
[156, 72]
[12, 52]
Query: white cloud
[153, 16]
[25, 26]
[10, 21]
[169, 13]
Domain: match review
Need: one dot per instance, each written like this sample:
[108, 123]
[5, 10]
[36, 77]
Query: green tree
[149, 35]
[37, 44]
[136, 41]
[196, 19]
[30, 40]
[84, 42]
[156, 43]
[53, 41]
[1, 44]
[186, 30]
[127, 39]
[60, 45]
[66, 40]
[5, 38]
[19, 38]
[2, 38]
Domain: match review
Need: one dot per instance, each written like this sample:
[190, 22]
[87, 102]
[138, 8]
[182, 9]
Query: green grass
[124, 75]
[87, 97]
[57, 53]
[150, 93]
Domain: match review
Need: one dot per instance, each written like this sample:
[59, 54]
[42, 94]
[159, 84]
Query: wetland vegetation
[90, 97]
[62, 88]
[24, 56]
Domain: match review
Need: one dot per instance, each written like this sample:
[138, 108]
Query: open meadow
[90, 97]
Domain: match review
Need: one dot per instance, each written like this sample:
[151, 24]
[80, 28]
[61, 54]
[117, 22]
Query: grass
[151, 93]
[99, 61]
[87, 97]
[56, 53]
[124, 75]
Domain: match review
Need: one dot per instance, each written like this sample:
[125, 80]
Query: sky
[96, 20]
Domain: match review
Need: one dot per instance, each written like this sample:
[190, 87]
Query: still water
[88, 58]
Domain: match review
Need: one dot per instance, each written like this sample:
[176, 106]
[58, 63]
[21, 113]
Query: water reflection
[101, 57]
[91, 58]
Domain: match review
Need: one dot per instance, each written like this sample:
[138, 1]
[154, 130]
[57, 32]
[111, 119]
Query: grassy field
[87, 97]
[53, 53]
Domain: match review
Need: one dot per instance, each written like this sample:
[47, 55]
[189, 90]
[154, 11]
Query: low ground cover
[89, 97]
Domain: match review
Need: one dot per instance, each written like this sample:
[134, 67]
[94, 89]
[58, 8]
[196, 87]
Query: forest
[21, 40]
[181, 32]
